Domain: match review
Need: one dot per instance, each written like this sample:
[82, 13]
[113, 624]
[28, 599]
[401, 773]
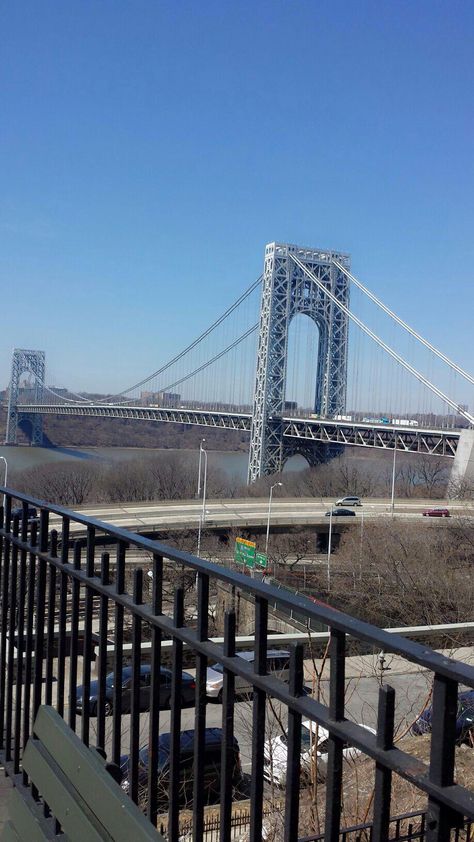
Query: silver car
[278, 663]
[349, 501]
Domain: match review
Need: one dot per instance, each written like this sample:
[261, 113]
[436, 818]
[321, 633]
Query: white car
[276, 753]
[349, 501]
[278, 664]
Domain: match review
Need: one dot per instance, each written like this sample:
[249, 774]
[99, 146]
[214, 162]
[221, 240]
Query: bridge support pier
[286, 291]
[462, 471]
[32, 362]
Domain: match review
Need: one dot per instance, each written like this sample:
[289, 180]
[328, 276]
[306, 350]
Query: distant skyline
[149, 150]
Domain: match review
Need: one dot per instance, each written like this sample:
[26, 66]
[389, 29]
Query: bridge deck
[357, 434]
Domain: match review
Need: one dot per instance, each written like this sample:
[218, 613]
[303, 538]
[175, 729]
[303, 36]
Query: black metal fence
[409, 827]
[239, 822]
[52, 572]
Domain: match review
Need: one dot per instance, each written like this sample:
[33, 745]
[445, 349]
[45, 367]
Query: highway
[252, 512]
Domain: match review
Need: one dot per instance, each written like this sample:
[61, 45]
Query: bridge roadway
[252, 512]
[357, 434]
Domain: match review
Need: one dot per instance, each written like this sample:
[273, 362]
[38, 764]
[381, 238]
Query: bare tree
[64, 483]
[433, 474]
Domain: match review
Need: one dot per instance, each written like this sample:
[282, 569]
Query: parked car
[436, 512]
[349, 501]
[188, 687]
[213, 738]
[31, 513]
[276, 754]
[278, 663]
[341, 513]
[464, 718]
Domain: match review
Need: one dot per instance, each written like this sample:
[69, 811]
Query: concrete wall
[462, 472]
[245, 613]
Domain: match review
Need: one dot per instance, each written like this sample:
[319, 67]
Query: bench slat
[9, 833]
[26, 824]
[85, 771]
[72, 813]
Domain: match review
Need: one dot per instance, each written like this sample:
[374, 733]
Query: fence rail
[40, 568]
[409, 827]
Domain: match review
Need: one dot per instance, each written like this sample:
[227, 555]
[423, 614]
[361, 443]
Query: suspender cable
[214, 359]
[82, 399]
[381, 343]
[194, 343]
[403, 324]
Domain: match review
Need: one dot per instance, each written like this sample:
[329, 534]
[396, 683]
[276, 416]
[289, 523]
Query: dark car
[188, 688]
[211, 767]
[436, 512]
[464, 718]
[31, 513]
[341, 513]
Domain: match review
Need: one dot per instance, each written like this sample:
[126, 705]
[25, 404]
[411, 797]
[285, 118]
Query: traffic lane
[214, 714]
[256, 504]
[314, 522]
[191, 509]
[412, 694]
[288, 518]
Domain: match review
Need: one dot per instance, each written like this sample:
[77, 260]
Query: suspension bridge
[353, 373]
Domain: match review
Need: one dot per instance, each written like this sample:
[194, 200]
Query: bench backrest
[79, 791]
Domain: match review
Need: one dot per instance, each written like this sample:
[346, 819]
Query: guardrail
[35, 579]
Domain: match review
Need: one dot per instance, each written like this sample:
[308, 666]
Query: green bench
[80, 792]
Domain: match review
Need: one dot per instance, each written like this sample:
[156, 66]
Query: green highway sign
[244, 552]
[261, 559]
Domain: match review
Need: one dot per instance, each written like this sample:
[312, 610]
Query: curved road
[156, 516]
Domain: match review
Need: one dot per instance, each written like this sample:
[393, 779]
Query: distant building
[59, 390]
[290, 406]
[169, 399]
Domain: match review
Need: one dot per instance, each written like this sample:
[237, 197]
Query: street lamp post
[269, 513]
[2, 458]
[393, 477]
[202, 516]
[199, 467]
[329, 549]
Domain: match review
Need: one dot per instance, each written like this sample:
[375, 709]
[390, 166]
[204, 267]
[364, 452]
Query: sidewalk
[5, 789]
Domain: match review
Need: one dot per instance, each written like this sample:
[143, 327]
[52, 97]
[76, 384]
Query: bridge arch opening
[25, 426]
[303, 389]
[296, 462]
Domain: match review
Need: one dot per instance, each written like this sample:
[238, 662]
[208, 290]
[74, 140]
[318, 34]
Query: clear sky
[150, 149]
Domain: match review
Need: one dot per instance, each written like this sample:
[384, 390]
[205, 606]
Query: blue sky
[149, 150]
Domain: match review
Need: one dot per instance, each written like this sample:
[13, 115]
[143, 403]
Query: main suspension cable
[192, 345]
[419, 376]
[403, 324]
[214, 359]
[82, 399]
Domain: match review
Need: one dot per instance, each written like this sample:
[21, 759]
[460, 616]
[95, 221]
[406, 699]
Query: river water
[233, 463]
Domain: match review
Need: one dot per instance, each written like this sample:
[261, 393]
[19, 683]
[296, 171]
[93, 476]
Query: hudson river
[234, 463]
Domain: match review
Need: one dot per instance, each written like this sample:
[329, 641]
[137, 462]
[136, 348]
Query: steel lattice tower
[287, 291]
[34, 363]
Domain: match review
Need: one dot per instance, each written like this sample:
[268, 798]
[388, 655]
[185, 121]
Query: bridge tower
[34, 363]
[286, 291]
